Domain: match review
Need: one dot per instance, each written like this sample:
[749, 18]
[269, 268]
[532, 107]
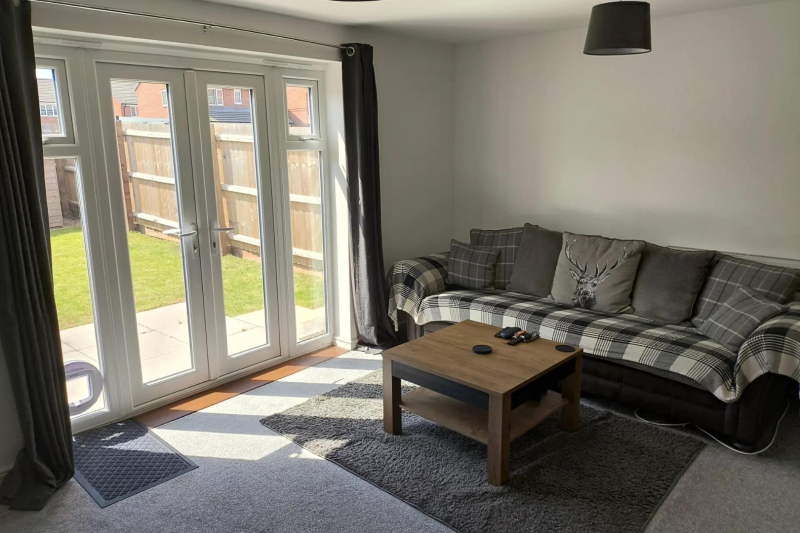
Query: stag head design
[587, 283]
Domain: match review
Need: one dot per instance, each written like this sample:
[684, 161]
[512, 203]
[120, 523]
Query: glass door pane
[233, 131]
[146, 121]
[305, 197]
[83, 360]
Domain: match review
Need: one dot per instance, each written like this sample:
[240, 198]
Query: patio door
[191, 224]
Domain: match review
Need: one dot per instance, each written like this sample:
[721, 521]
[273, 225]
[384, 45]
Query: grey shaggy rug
[610, 476]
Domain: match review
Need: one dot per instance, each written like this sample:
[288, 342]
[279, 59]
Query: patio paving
[164, 341]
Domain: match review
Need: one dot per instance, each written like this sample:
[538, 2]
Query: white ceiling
[460, 21]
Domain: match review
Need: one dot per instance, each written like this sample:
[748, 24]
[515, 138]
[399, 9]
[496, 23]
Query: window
[134, 110]
[299, 110]
[48, 110]
[237, 96]
[215, 96]
[164, 98]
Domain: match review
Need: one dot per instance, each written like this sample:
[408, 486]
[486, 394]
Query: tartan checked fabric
[471, 267]
[729, 273]
[738, 317]
[773, 347]
[508, 241]
[412, 280]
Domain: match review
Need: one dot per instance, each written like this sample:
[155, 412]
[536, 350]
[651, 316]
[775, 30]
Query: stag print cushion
[471, 267]
[507, 242]
[596, 273]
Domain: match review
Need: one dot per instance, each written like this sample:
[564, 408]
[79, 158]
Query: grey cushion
[729, 273]
[668, 283]
[471, 267]
[596, 273]
[507, 242]
[536, 261]
[738, 316]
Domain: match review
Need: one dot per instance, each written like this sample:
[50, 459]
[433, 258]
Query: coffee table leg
[392, 420]
[571, 392]
[499, 438]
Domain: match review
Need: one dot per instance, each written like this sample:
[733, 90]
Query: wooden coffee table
[493, 398]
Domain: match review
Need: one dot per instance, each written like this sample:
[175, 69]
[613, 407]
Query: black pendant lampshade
[619, 28]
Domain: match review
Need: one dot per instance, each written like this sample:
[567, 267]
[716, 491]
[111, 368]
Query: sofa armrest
[773, 347]
[412, 280]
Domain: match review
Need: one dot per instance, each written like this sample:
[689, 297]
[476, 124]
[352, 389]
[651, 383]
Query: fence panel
[147, 165]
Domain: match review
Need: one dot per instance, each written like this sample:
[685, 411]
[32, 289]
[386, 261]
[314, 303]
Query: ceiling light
[619, 28]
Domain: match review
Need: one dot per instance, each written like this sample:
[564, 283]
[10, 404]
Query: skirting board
[347, 344]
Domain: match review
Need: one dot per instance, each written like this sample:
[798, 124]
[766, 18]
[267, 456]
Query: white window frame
[237, 97]
[73, 92]
[164, 98]
[134, 110]
[63, 103]
[219, 96]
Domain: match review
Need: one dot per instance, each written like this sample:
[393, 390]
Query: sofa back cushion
[596, 273]
[507, 242]
[668, 283]
[729, 273]
[535, 266]
[739, 316]
[471, 267]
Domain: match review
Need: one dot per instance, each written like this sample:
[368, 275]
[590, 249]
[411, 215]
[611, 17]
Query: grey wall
[695, 144]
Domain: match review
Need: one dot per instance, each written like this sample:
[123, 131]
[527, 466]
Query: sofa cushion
[596, 273]
[729, 273]
[668, 283]
[507, 241]
[739, 316]
[536, 261]
[471, 267]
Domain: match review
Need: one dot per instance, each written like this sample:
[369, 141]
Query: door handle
[182, 234]
[177, 232]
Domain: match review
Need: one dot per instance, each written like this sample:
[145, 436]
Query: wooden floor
[201, 400]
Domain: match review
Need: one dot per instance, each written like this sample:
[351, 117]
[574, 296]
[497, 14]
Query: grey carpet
[608, 477]
[118, 460]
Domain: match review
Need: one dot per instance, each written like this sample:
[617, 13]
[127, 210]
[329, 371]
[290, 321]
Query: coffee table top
[447, 353]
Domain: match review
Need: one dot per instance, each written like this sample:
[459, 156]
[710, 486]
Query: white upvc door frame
[313, 143]
[189, 220]
[220, 362]
[100, 194]
[79, 144]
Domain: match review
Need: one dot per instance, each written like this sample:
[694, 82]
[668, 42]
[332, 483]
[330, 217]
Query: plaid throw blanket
[418, 289]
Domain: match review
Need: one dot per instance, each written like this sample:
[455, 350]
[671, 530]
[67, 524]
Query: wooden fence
[148, 173]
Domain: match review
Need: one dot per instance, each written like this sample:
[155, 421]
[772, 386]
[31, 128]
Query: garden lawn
[158, 278]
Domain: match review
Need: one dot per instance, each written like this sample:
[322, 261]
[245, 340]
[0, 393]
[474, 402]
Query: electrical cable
[684, 424]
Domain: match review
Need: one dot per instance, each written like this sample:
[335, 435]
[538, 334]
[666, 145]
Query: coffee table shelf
[472, 422]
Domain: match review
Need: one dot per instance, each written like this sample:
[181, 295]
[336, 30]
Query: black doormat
[608, 477]
[116, 461]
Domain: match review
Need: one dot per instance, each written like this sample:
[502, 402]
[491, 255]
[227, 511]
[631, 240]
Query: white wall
[695, 144]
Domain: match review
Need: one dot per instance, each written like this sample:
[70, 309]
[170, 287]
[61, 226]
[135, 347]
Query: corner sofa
[670, 370]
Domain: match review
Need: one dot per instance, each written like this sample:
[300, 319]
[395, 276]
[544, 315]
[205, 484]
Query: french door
[192, 223]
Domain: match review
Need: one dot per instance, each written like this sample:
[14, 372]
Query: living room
[292, 292]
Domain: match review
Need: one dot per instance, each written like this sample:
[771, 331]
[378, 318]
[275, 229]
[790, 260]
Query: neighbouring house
[48, 106]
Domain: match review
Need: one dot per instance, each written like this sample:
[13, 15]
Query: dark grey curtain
[29, 338]
[363, 171]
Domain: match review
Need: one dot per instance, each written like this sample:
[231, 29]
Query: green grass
[158, 278]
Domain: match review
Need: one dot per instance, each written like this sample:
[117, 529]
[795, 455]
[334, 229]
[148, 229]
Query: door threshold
[221, 392]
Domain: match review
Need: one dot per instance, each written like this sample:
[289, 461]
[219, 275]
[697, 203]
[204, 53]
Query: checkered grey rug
[118, 460]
